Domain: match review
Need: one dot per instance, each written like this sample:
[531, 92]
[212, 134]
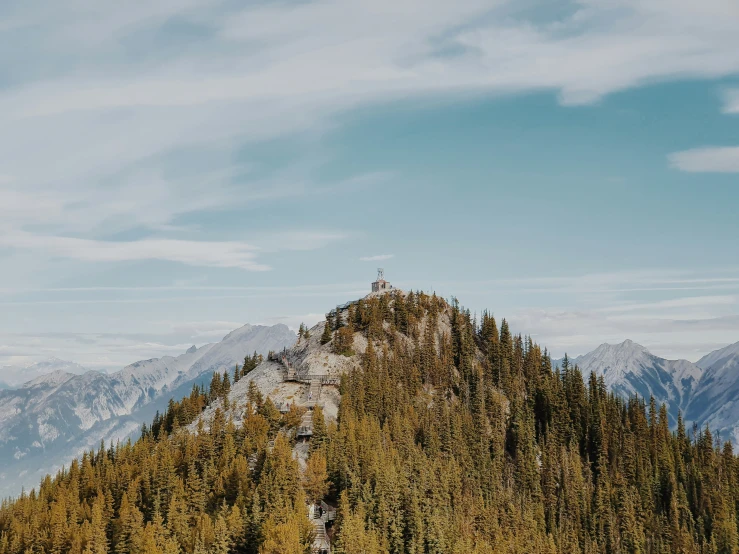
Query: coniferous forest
[454, 436]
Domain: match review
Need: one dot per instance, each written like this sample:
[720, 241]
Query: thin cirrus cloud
[695, 311]
[688, 334]
[113, 115]
[223, 254]
[721, 159]
[376, 258]
[679, 327]
[201, 253]
[347, 54]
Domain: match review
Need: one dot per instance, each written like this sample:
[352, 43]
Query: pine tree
[195, 491]
[282, 537]
[58, 525]
[222, 542]
[320, 431]
[354, 537]
[215, 385]
[98, 543]
[225, 385]
[315, 479]
[326, 335]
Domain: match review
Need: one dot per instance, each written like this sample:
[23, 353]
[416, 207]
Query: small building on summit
[381, 284]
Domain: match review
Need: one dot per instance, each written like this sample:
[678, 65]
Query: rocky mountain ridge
[705, 392]
[14, 376]
[52, 418]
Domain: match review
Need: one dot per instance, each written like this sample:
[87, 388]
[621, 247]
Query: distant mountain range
[706, 392]
[716, 401]
[54, 416]
[15, 375]
[52, 410]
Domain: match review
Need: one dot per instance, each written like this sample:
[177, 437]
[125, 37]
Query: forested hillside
[454, 435]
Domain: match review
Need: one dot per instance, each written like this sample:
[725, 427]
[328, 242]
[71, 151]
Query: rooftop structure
[381, 284]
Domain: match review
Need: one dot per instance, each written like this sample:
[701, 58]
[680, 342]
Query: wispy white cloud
[731, 100]
[294, 321]
[689, 302]
[307, 289]
[213, 254]
[689, 335]
[376, 258]
[676, 313]
[174, 299]
[223, 254]
[605, 283]
[271, 69]
[718, 159]
[201, 330]
[298, 240]
[679, 328]
[293, 289]
[107, 125]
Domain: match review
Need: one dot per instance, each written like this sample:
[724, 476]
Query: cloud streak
[201, 253]
[572, 313]
[676, 313]
[271, 70]
[731, 101]
[707, 160]
[221, 254]
[376, 258]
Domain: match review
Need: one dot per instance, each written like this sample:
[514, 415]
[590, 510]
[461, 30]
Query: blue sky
[172, 170]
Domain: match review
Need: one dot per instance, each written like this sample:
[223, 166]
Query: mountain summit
[16, 375]
[716, 401]
[629, 369]
[706, 392]
[725, 357]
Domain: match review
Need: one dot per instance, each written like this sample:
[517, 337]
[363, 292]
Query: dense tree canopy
[455, 435]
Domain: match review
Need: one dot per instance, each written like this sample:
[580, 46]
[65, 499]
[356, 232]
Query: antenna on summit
[380, 274]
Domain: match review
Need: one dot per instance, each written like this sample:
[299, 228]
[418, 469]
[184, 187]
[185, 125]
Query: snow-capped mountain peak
[716, 401]
[236, 333]
[629, 369]
[723, 355]
[53, 379]
[613, 361]
[15, 376]
[706, 392]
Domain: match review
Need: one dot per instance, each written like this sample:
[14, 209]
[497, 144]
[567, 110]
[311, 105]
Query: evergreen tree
[326, 335]
[320, 431]
[315, 480]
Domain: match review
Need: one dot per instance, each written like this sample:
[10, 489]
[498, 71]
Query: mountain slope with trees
[47, 422]
[452, 435]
